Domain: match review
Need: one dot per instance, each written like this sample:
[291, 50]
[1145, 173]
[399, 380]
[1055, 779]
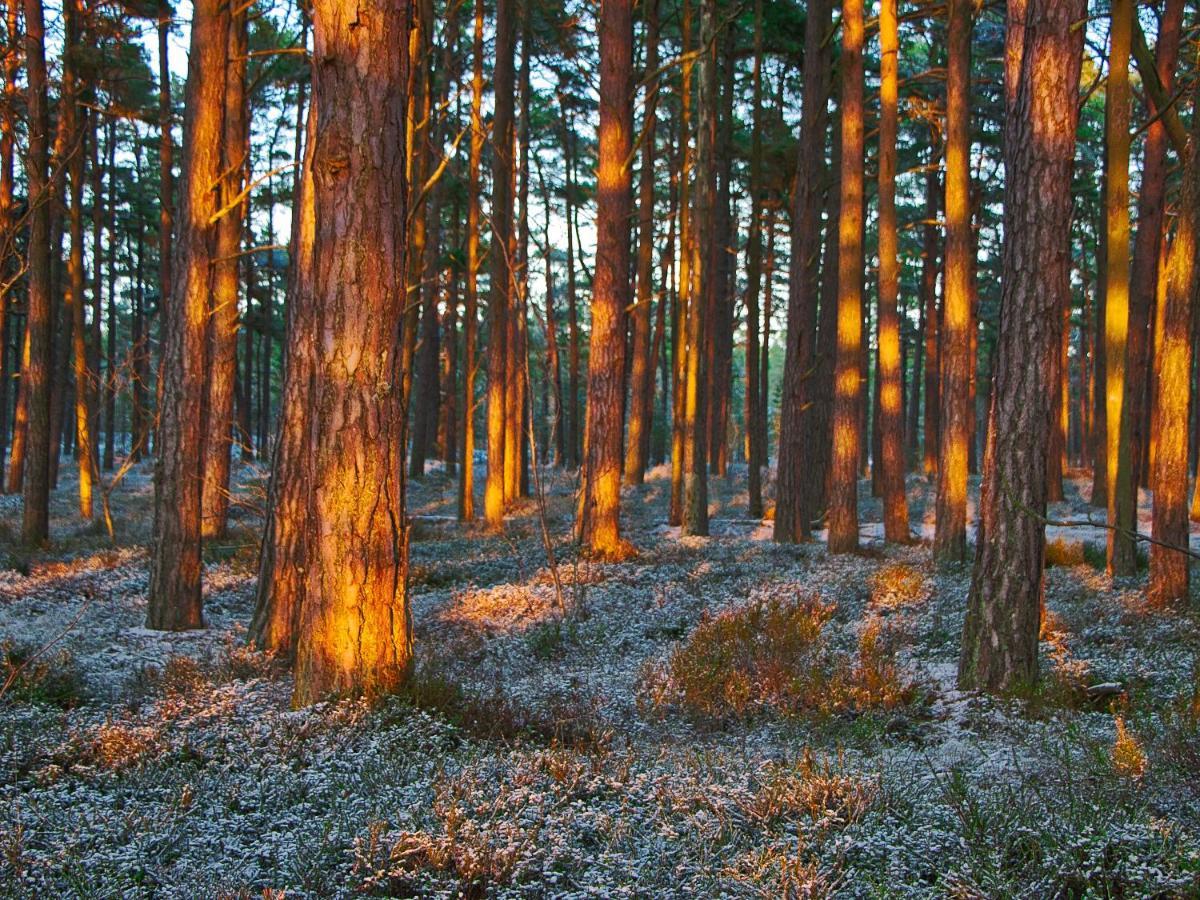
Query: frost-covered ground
[529, 759]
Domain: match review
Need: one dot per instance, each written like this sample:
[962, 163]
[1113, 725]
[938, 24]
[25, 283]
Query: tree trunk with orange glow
[750, 408]
[9, 222]
[848, 377]
[286, 536]
[174, 593]
[501, 276]
[641, 374]
[1121, 555]
[891, 389]
[35, 375]
[466, 478]
[73, 15]
[684, 295]
[600, 504]
[695, 455]
[794, 504]
[1000, 635]
[223, 314]
[1144, 278]
[354, 629]
[929, 274]
[1168, 567]
[950, 537]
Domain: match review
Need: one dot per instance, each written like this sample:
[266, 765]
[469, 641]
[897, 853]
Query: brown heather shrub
[770, 654]
[1061, 552]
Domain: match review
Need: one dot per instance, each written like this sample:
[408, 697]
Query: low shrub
[29, 676]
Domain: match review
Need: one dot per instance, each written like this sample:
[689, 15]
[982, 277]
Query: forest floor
[718, 716]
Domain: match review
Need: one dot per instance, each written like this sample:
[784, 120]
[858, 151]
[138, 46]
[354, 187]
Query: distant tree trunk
[1143, 283]
[223, 313]
[553, 364]
[929, 296]
[110, 375]
[641, 377]
[166, 196]
[794, 509]
[751, 404]
[889, 373]
[8, 218]
[719, 293]
[680, 327]
[516, 431]
[35, 526]
[448, 424]
[466, 479]
[501, 274]
[1099, 445]
[601, 496]
[695, 457]
[354, 624]
[1000, 635]
[950, 538]
[174, 591]
[1168, 567]
[574, 435]
[1122, 555]
[848, 379]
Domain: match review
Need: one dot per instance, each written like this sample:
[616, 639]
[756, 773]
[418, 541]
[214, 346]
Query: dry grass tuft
[823, 792]
[770, 654]
[897, 585]
[1128, 757]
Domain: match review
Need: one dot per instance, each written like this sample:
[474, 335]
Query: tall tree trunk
[35, 526]
[641, 376]
[501, 274]
[889, 373]
[848, 383]
[354, 623]
[684, 297]
[574, 435]
[794, 509]
[695, 457]
[466, 480]
[1122, 555]
[166, 197]
[950, 537]
[601, 495]
[933, 318]
[110, 364]
[175, 568]
[1144, 278]
[1169, 567]
[77, 127]
[1000, 635]
[223, 313]
[751, 405]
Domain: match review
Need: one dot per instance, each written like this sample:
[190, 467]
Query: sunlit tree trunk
[354, 628]
[751, 405]
[35, 526]
[223, 313]
[641, 376]
[929, 295]
[501, 275]
[1168, 567]
[76, 128]
[1121, 556]
[166, 190]
[174, 591]
[1143, 282]
[286, 535]
[1098, 449]
[950, 537]
[848, 377]
[891, 389]
[684, 296]
[794, 509]
[600, 503]
[695, 456]
[466, 478]
[1000, 635]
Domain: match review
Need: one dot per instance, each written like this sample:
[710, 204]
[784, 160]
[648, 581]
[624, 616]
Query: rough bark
[354, 628]
[794, 510]
[175, 568]
[999, 646]
[599, 519]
